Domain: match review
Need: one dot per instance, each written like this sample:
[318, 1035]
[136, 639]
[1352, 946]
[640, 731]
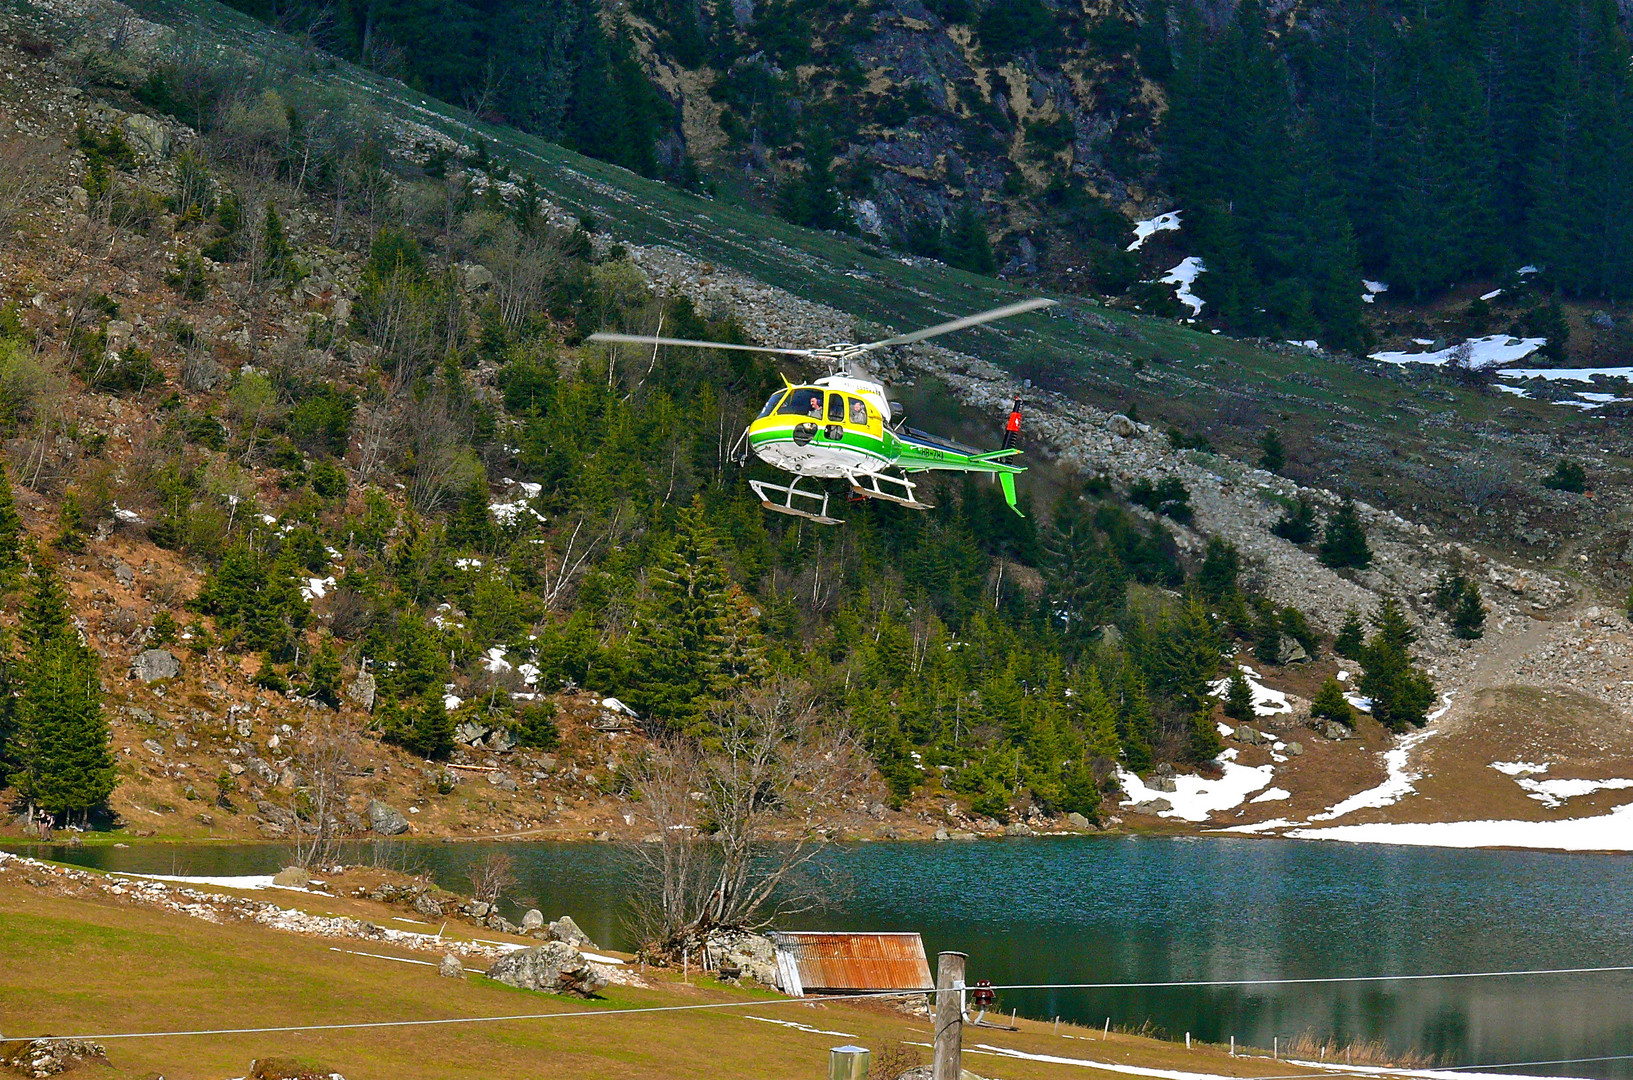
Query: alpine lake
[1120, 909]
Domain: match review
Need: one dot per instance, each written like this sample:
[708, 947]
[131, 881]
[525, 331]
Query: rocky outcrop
[155, 665]
[50, 1057]
[362, 691]
[451, 967]
[750, 955]
[293, 877]
[532, 920]
[386, 820]
[555, 967]
[566, 930]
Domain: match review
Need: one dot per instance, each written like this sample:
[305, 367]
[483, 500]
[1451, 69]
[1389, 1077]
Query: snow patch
[1553, 792]
[496, 662]
[1144, 230]
[1182, 277]
[1607, 832]
[317, 588]
[1575, 374]
[1266, 702]
[468, 564]
[1259, 827]
[1194, 797]
[1484, 352]
[1373, 288]
[1519, 768]
[508, 513]
[1492, 295]
[1274, 794]
[1396, 786]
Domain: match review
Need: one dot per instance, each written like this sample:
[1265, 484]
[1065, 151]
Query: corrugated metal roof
[829, 963]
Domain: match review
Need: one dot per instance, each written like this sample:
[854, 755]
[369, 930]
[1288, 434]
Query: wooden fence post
[949, 1015]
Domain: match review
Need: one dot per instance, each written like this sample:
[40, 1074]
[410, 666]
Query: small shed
[835, 963]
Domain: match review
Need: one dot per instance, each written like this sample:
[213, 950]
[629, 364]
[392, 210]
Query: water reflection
[1153, 909]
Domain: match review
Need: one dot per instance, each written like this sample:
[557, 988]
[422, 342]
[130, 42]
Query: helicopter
[843, 427]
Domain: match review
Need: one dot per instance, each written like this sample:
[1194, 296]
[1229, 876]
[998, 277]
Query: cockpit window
[771, 403]
[859, 412]
[836, 408]
[803, 401]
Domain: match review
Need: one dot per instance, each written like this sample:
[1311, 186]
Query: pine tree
[1351, 636]
[1329, 704]
[11, 535]
[471, 526]
[70, 523]
[1401, 694]
[1136, 730]
[1469, 616]
[1297, 522]
[1271, 454]
[1345, 543]
[1204, 744]
[60, 758]
[324, 675]
[1239, 698]
[672, 643]
[274, 244]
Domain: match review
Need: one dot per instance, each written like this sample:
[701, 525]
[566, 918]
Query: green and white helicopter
[843, 427]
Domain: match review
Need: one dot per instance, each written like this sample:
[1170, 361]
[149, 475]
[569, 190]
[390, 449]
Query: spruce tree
[1271, 454]
[1239, 698]
[1351, 636]
[1329, 704]
[1297, 522]
[1469, 616]
[1136, 730]
[324, 675]
[1344, 544]
[11, 535]
[471, 526]
[60, 760]
[1401, 693]
[1204, 743]
[672, 646]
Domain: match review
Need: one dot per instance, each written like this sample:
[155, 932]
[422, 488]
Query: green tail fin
[1007, 482]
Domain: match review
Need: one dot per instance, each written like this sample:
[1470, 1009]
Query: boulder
[1245, 734]
[1122, 426]
[1017, 828]
[1602, 320]
[1078, 821]
[287, 780]
[566, 930]
[428, 905]
[554, 966]
[532, 920]
[153, 747]
[50, 1057]
[475, 276]
[362, 691]
[469, 732]
[941, 833]
[752, 955]
[155, 665]
[1289, 651]
[146, 136]
[478, 910]
[386, 820]
[1162, 783]
[1295, 749]
[452, 967]
[123, 574]
[1335, 731]
[292, 877]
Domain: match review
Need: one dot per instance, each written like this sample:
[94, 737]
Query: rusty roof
[830, 962]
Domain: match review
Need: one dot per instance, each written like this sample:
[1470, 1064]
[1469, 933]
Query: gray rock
[1295, 749]
[1120, 425]
[155, 665]
[1602, 320]
[479, 910]
[475, 276]
[1289, 651]
[386, 820]
[1246, 734]
[1335, 731]
[501, 740]
[469, 732]
[1078, 821]
[941, 834]
[554, 966]
[452, 967]
[1162, 783]
[50, 1057]
[147, 136]
[753, 955]
[294, 877]
[1017, 828]
[428, 905]
[532, 920]
[362, 691]
[566, 930]
[153, 746]
[287, 780]
[124, 575]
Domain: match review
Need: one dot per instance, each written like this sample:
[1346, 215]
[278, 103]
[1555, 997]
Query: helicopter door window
[859, 412]
[771, 403]
[836, 408]
[804, 401]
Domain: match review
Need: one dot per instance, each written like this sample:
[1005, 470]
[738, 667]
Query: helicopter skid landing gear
[786, 506]
[867, 486]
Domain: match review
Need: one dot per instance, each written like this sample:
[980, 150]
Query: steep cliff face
[1037, 118]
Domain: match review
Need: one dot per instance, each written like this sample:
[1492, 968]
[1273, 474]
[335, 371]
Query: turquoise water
[1133, 909]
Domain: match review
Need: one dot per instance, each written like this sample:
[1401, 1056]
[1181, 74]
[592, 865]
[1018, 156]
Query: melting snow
[1519, 768]
[1373, 288]
[1259, 827]
[1553, 792]
[1575, 374]
[1399, 783]
[1182, 277]
[1484, 352]
[617, 706]
[1274, 794]
[468, 564]
[1266, 702]
[126, 515]
[508, 513]
[452, 701]
[317, 588]
[1492, 295]
[1194, 797]
[1525, 270]
[1143, 230]
[1608, 832]
[1356, 701]
[496, 661]
[529, 673]
[1306, 344]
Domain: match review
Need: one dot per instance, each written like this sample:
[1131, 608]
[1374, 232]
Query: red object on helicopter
[982, 995]
[1012, 429]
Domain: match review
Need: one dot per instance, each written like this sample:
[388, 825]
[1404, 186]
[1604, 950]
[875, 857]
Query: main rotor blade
[643, 339]
[959, 324]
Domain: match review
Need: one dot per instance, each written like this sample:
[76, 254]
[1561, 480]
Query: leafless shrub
[736, 821]
[324, 749]
[24, 168]
[492, 877]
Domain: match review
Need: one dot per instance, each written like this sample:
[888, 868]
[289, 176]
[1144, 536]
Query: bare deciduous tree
[492, 877]
[24, 167]
[322, 761]
[738, 820]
